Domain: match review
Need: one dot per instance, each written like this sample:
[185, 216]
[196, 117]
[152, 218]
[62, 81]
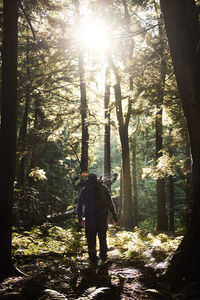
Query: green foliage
[148, 223]
[37, 174]
[153, 249]
[48, 239]
[27, 208]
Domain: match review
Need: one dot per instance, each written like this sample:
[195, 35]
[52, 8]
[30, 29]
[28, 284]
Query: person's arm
[80, 206]
[111, 206]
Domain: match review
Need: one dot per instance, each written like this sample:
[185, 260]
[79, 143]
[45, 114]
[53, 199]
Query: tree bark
[134, 180]
[123, 123]
[23, 129]
[8, 132]
[171, 203]
[171, 187]
[84, 122]
[38, 117]
[56, 218]
[182, 26]
[121, 213]
[123, 132]
[107, 128]
[160, 184]
[188, 183]
[162, 222]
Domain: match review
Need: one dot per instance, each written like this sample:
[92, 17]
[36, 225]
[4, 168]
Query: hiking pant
[92, 229]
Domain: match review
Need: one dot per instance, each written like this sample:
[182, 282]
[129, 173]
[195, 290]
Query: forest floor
[55, 261]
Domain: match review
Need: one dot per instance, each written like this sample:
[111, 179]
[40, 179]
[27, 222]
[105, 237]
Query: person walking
[95, 203]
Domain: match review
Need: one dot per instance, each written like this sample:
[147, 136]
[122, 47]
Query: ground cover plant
[55, 260]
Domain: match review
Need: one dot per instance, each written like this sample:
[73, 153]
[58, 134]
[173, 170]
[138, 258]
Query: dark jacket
[96, 201]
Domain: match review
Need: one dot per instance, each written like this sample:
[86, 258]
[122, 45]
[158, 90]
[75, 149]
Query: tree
[123, 123]
[24, 125]
[83, 106]
[182, 27]
[162, 222]
[83, 109]
[134, 180]
[107, 127]
[44, 75]
[8, 132]
[171, 203]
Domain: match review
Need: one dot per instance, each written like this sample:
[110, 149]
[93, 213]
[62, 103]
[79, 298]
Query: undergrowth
[46, 239]
[58, 252]
[152, 248]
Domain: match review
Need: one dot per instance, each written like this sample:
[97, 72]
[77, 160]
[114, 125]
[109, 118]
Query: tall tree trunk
[23, 129]
[107, 128]
[123, 133]
[182, 26]
[162, 222]
[124, 139]
[121, 213]
[160, 184]
[171, 187]
[188, 183]
[8, 132]
[84, 105]
[38, 117]
[123, 130]
[130, 46]
[84, 122]
[134, 180]
[171, 203]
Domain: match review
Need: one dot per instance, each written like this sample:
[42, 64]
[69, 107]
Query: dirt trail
[54, 278]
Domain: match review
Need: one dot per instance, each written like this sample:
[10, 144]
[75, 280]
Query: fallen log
[61, 216]
[55, 218]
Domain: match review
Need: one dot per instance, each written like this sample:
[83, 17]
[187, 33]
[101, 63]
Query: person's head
[92, 178]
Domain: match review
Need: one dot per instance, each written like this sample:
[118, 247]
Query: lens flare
[93, 36]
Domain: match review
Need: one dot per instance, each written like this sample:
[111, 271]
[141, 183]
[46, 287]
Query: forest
[105, 87]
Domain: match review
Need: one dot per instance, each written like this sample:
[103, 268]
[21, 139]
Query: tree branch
[27, 18]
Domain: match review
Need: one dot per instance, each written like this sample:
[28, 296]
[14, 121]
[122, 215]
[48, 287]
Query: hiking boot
[102, 261]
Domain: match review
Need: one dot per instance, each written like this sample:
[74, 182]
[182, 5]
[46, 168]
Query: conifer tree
[8, 132]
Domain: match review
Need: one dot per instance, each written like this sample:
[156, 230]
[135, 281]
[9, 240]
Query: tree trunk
[38, 116]
[127, 190]
[123, 132]
[162, 222]
[134, 179]
[160, 184]
[171, 203]
[8, 132]
[188, 183]
[55, 218]
[23, 129]
[121, 213]
[123, 123]
[83, 109]
[171, 187]
[107, 128]
[182, 26]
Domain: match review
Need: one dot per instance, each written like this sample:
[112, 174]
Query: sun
[94, 36]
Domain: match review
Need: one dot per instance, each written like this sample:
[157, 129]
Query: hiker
[96, 201]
